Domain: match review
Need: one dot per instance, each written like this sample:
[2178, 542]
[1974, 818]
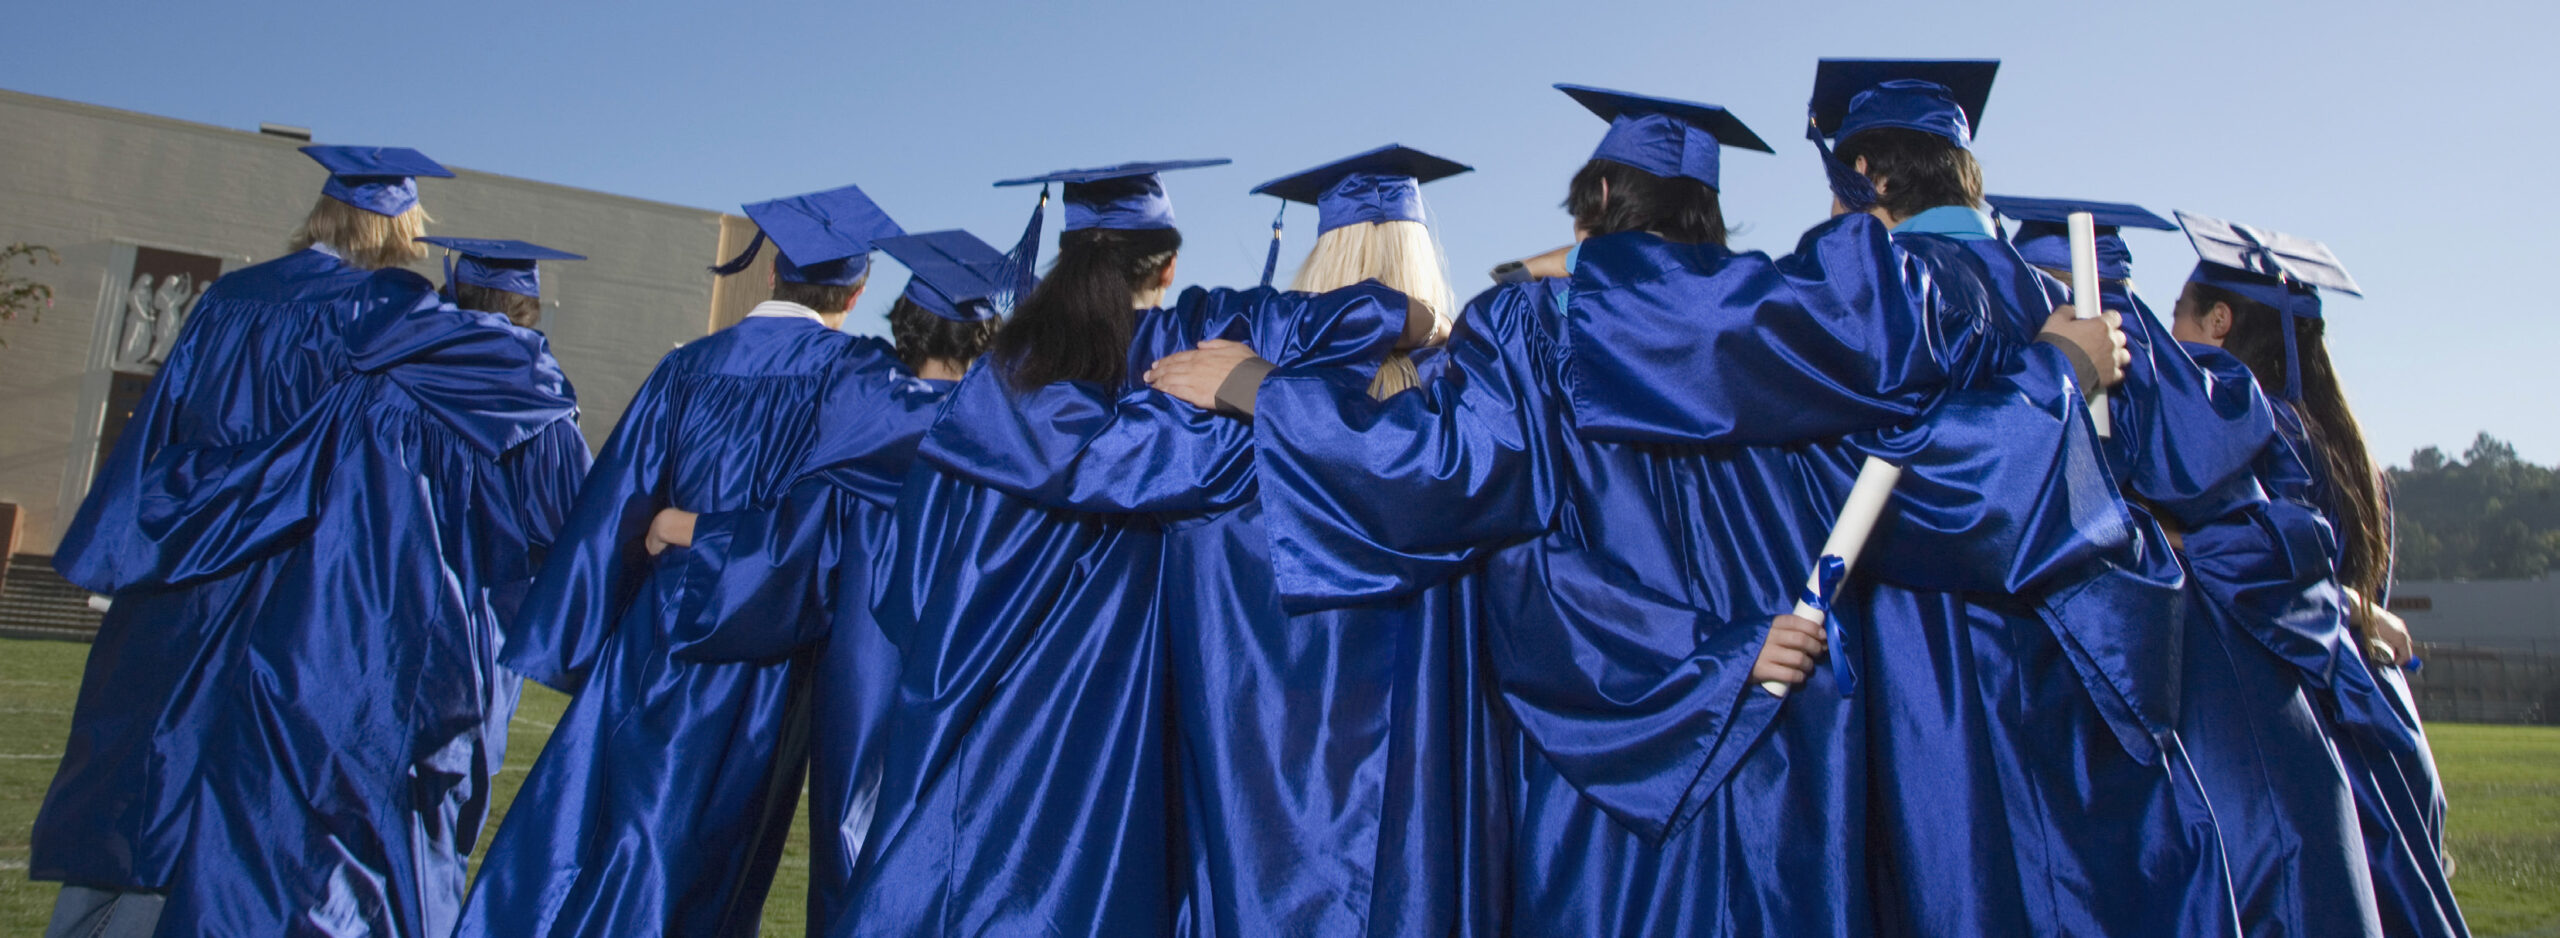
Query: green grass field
[2503, 781]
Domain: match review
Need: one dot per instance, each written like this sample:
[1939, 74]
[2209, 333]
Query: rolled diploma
[2084, 298]
[1867, 498]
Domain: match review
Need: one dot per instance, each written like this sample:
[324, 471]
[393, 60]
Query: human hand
[1195, 376]
[2101, 340]
[1788, 656]
[673, 527]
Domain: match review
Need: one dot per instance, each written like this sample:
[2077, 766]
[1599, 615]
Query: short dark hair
[520, 309]
[922, 336]
[1915, 169]
[1681, 209]
[823, 297]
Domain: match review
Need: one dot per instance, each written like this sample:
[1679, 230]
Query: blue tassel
[744, 258]
[1853, 188]
[1271, 258]
[1024, 259]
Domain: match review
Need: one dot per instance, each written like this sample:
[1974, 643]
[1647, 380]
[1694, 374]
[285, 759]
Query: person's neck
[941, 369]
[1148, 299]
[834, 320]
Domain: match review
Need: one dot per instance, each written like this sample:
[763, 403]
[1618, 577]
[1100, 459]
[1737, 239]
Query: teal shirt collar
[1954, 221]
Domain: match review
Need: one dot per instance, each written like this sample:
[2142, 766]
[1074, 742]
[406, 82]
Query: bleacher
[36, 602]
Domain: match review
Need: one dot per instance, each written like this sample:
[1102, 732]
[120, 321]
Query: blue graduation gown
[2195, 442]
[257, 351]
[2391, 771]
[665, 790]
[2037, 782]
[1331, 760]
[1648, 509]
[1028, 604]
[803, 574]
[339, 789]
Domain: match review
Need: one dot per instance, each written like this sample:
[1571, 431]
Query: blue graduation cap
[2279, 270]
[1665, 136]
[1380, 185]
[1384, 184]
[496, 263]
[822, 237]
[1943, 97]
[955, 275]
[2044, 233]
[381, 180]
[1127, 197]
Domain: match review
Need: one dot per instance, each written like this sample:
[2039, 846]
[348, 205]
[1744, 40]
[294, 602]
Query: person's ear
[2217, 321]
[1164, 278]
[857, 294]
[1604, 193]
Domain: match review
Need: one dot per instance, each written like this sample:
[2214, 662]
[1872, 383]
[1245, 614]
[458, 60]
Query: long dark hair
[2363, 520]
[1076, 325]
[1683, 210]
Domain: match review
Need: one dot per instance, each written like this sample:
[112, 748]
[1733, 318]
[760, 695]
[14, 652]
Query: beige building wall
[97, 184]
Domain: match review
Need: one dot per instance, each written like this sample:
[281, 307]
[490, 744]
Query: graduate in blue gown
[339, 790]
[2192, 446]
[2306, 577]
[1334, 763]
[1032, 779]
[665, 791]
[261, 345]
[1629, 468]
[803, 574]
[2037, 784]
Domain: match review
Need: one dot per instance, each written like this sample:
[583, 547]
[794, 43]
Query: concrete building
[2488, 615]
[147, 210]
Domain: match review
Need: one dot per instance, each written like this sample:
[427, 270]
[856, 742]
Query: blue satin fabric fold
[261, 345]
[640, 832]
[802, 575]
[378, 708]
[2066, 765]
[1622, 589]
[1835, 331]
[1267, 774]
[2370, 716]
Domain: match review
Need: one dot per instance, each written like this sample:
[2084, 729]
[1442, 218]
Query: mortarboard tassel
[1271, 258]
[744, 258]
[1025, 257]
[447, 291]
[1853, 188]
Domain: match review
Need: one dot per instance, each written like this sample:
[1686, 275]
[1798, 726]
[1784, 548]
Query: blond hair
[1404, 256]
[365, 240]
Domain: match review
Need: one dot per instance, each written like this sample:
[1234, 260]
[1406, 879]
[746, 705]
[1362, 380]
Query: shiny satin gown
[1640, 513]
[1106, 725]
[340, 790]
[802, 576]
[259, 348]
[2196, 440]
[659, 806]
[2371, 716]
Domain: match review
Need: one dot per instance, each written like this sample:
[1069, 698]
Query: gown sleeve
[1668, 343]
[1365, 499]
[761, 582]
[599, 561]
[538, 484]
[1075, 445]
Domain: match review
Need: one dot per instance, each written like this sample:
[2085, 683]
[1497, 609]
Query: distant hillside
[2486, 516]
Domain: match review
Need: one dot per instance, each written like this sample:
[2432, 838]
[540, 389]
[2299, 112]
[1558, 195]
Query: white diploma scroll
[1858, 515]
[2084, 299]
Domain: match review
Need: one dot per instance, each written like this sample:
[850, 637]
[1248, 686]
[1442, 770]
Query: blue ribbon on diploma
[1828, 573]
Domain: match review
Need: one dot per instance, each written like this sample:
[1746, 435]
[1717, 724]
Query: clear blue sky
[2413, 138]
